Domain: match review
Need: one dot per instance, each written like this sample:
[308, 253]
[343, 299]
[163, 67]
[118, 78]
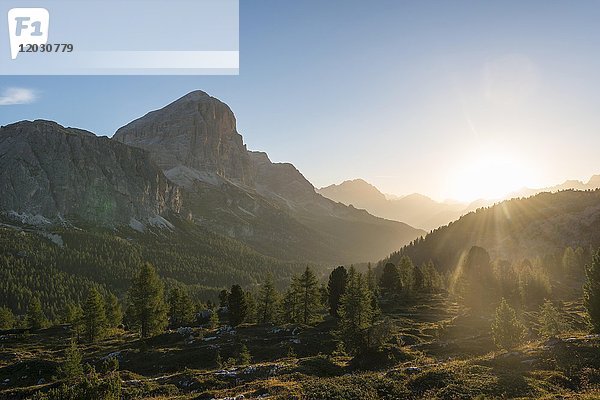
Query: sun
[487, 176]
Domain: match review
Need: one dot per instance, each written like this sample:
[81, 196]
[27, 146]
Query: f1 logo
[27, 26]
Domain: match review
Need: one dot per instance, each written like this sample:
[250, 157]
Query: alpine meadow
[420, 218]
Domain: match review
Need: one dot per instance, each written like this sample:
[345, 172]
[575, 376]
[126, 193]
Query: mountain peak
[196, 95]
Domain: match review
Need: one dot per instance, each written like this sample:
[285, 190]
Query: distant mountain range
[185, 161]
[421, 211]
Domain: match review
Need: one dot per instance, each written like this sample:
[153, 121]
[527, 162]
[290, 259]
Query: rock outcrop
[197, 131]
[66, 173]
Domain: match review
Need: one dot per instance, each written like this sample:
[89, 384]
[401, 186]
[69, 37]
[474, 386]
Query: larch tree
[94, 316]
[181, 308]
[552, 322]
[35, 317]
[7, 318]
[268, 301]
[146, 309]
[114, 313]
[356, 310]
[310, 296]
[390, 282]
[506, 328]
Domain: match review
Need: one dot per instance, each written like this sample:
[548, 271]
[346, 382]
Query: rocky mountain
[184, 161]
[241, 193]
[56, 173]
[415, 209]
[515, 229]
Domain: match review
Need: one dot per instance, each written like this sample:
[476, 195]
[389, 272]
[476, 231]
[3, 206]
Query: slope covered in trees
[513, 230]
[61, 271]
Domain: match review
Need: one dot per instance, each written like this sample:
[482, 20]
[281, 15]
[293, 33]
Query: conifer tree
[74, 317]
[223, 298]
[251, 313]
[114, 313]
[238, 307]
[72, 367]
[291, 302]
[214, 320]
[309, 296]
[94, 316]
[506, 328]
[268, 302]
[146, 303]
[591, 291]
[418, 279]
[7, 319]
[390, 282]
[35, 317]
[335, 288]
[356, 310]
[476, 283]
[406, 269]
[552, 322]
[244, 357]
[181, 308]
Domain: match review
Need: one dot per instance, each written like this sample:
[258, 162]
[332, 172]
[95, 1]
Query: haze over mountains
[421, 211]
[538, 226]
[185, 161]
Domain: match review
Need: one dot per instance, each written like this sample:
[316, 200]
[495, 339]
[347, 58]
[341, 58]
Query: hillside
[519, 228]
[59, 264]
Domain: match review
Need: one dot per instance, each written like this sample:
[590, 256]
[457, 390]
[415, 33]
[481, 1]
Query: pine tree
[223, 298]
[146, 304]
[356, 311]
[214, 321]
[268, 302]
[244, 357]
[591, 291]
[7, 319]
[406, 269]
[418, 279]
[35, 317]
[181, 308]
[552, 322]
[335, 288]
[309, 296]
[238, 308]
[94, 316]
[476, 283]
[251, 313]
[506, 328]
[74, 317]
[291, 302]
[114, 313]
[390, 282]
[72, 367]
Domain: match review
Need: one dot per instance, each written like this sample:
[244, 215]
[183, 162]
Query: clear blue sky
[413, 96]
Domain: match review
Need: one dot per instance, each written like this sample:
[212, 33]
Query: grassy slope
[443, 360]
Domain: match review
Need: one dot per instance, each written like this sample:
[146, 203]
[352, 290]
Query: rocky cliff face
[241, 193]
[196, 131]
[63, 173]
